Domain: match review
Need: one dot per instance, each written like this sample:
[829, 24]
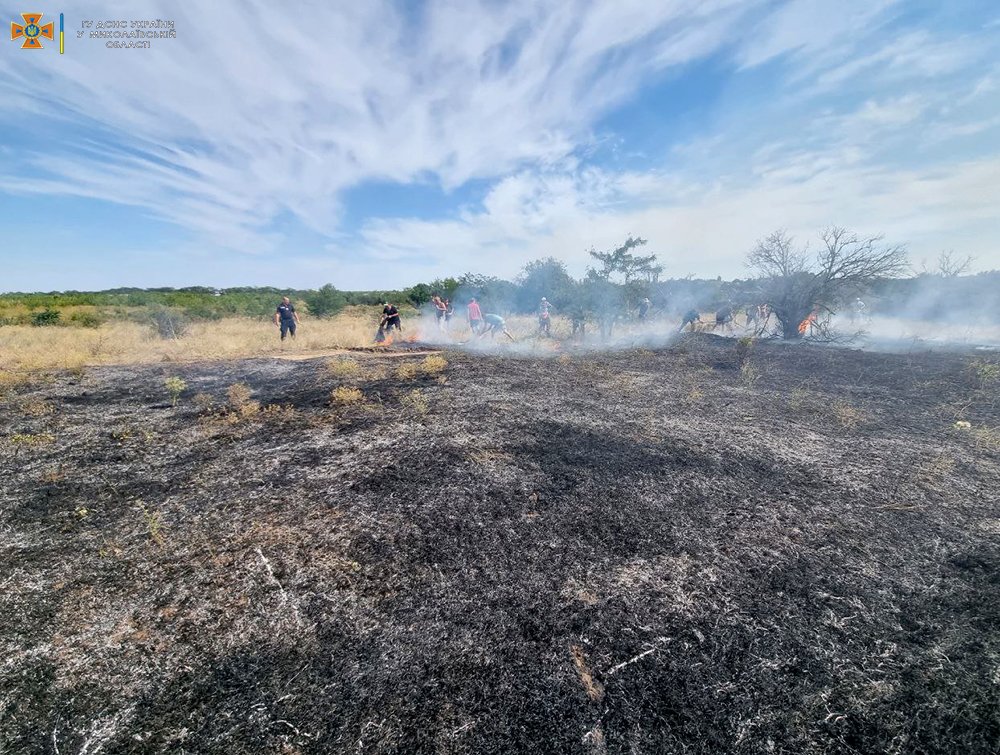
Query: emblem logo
[31, 31]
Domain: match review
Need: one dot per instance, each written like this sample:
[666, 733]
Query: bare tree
[798, 285]
[950, 265]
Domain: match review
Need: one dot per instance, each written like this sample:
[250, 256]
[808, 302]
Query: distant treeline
[925, 296]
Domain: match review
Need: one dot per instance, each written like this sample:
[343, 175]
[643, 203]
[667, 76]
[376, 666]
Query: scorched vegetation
[708, 548]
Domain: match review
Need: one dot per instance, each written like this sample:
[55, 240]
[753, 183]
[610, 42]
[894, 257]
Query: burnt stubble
[631, 552]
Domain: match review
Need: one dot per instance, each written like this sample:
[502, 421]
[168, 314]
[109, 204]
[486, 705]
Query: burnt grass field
[647, 551]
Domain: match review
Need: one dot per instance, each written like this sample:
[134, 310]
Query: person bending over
[390, 317]
[494, 324]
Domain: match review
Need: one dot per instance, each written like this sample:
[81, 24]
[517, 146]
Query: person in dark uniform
[390, 317]
[285, 318]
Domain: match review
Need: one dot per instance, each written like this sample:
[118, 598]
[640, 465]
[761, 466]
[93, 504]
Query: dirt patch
[633, 552]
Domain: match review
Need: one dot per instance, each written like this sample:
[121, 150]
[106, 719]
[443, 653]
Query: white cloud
[254, 110]
[255, 114]
[706, 234]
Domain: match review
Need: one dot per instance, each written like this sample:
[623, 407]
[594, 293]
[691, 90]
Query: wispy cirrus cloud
[254, 111]
[257, 120]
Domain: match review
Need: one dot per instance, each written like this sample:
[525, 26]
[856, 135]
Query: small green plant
[82, 512]
[278, 413]
[175, 387]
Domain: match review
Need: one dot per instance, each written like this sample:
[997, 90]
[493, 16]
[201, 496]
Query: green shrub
[325, 302]
[86, 319]
[175, 387]
[45, 317]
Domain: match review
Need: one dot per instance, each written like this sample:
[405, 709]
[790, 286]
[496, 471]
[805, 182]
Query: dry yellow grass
[343, 368]
[345, 395]
[847, 415]
[29, 348]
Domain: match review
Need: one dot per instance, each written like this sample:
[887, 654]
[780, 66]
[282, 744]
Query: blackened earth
[633, 552]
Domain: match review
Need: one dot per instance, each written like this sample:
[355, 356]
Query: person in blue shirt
[493, 324]
[285, 318]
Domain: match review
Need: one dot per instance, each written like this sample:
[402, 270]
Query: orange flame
[807, 323]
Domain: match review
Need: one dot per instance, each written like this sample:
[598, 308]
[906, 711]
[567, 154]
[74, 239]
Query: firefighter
[286, 318]
[390, 317]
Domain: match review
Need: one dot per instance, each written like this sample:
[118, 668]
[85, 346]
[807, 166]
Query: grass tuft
[345, 396]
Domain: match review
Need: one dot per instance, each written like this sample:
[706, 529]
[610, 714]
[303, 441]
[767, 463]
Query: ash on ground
[696, 549]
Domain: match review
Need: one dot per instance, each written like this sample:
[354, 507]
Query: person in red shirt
[475, 316]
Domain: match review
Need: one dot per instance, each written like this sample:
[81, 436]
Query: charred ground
[644, 551]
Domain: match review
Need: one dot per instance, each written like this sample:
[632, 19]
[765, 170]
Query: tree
[419, 294]
[606, 297]
[796, 284]
[545, 277]
[494, 294]
[445, 287]
[630, 266]
[951, 265]
[325, 302]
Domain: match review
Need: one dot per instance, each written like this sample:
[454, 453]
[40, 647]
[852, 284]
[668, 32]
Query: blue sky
[377, 144]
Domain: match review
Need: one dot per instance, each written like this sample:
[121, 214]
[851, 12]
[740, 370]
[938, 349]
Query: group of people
[443, 311]
[481, 324]
[725, 316]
